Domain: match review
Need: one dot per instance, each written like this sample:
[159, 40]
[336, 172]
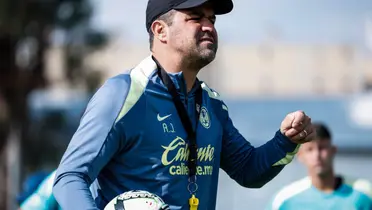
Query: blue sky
[298, 21]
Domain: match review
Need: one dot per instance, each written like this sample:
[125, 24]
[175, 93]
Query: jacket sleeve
[250, 166]
[92, 146]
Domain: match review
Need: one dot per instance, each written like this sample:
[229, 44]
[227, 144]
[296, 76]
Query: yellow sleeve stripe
[288, 158]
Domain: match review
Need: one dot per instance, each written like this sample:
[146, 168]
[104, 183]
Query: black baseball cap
[156, 8]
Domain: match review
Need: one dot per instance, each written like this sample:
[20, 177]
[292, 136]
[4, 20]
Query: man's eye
[195, 18]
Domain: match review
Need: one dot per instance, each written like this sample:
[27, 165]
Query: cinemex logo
[176, 154]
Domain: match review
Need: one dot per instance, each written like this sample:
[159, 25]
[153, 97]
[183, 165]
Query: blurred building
[258, 70]
[278, 70]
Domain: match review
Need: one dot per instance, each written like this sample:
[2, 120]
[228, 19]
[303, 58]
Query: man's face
[193, 35]
[317, 156]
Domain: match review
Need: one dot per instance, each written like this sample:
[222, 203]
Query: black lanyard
[183, 114]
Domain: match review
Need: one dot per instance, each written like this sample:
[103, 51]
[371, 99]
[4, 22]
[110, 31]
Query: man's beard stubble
[202, 56]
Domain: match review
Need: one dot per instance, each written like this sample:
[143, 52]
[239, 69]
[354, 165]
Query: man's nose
[208, 25]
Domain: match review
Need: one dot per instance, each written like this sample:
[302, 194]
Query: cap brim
[220, 7]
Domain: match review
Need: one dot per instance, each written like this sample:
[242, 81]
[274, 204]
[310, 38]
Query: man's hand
[297, 127]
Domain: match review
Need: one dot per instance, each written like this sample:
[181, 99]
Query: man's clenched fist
[297, 127]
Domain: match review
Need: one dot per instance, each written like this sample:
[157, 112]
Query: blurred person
[322, 188]
[138, 131]
[37, 192]
[42, 198]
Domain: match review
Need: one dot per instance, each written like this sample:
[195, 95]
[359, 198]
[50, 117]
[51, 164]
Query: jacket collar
[179, 80]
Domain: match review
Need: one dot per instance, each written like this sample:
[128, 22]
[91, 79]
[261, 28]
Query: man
[136, 133]
[322, 189]
[41, 197]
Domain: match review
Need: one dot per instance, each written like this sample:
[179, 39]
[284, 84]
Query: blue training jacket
[131, 138]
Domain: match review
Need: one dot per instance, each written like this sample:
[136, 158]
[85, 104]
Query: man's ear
[159, 29]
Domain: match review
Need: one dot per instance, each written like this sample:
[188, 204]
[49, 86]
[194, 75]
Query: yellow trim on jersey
[139, 79]
[213, 94]
[288, 158]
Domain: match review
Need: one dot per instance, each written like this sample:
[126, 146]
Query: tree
[26, 29]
